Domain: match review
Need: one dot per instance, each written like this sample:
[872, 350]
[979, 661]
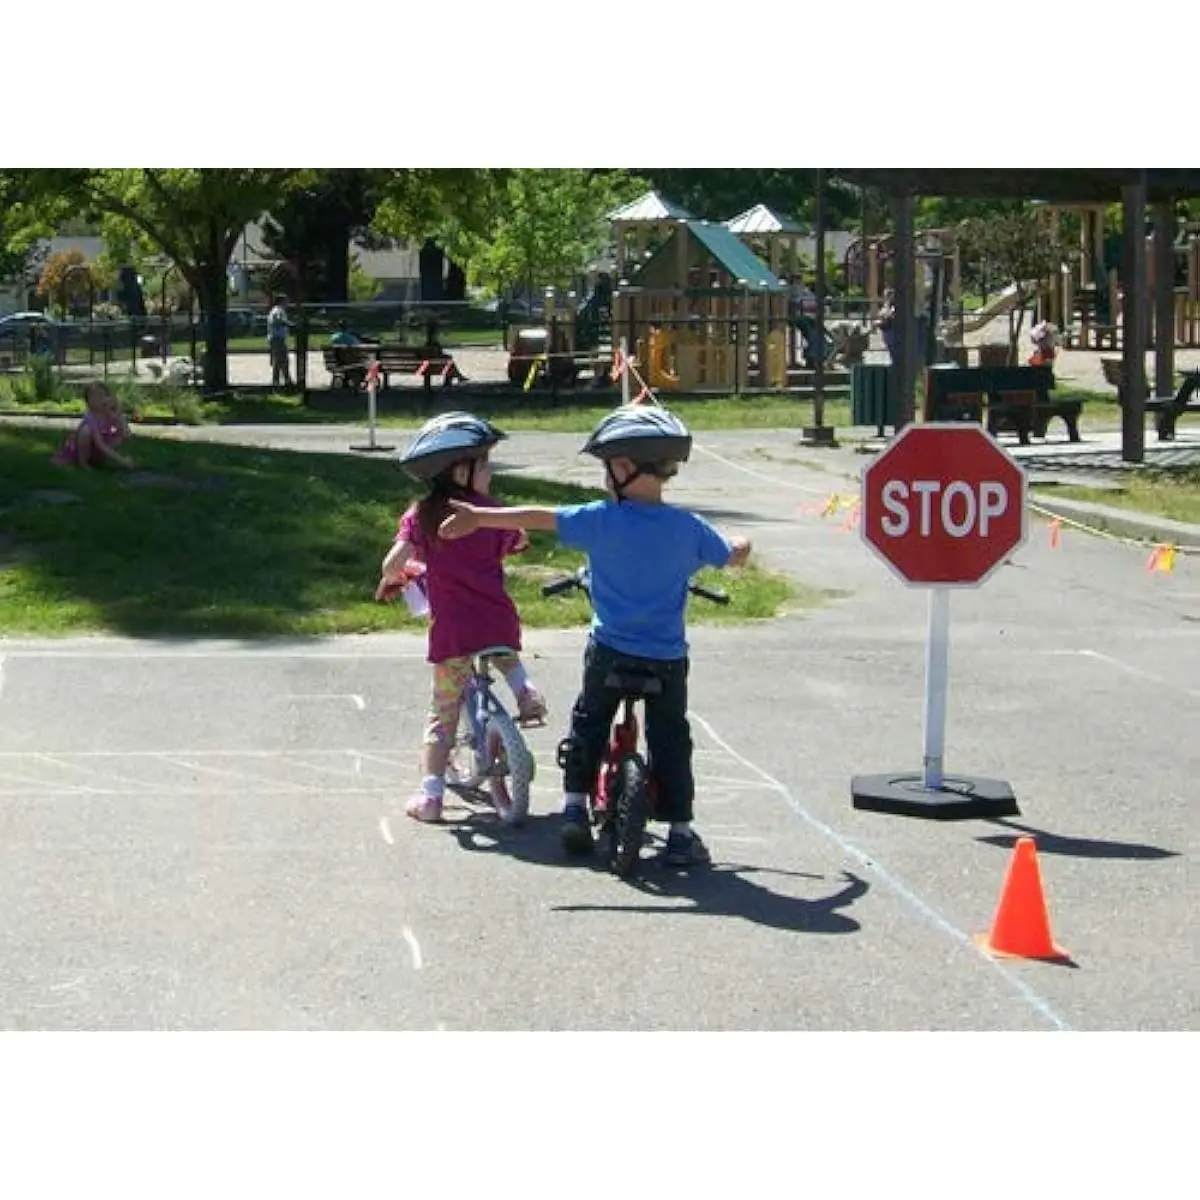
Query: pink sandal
[424, 808]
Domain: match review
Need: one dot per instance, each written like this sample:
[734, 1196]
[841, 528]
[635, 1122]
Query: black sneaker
[577, 830]
[685, 850]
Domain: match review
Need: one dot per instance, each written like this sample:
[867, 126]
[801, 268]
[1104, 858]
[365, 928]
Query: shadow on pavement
[1076, 847]
[720, 890]
[726, 891]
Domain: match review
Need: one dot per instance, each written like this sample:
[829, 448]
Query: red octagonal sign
[944, 505]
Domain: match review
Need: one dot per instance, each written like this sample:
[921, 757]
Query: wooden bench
[1028, 412]
[347, 365]
[1167, 409]
[1016, 398]
[407, 360]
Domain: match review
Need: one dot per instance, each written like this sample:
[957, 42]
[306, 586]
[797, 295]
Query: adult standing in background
[277, 333]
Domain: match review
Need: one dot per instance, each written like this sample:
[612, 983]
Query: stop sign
[943, 505]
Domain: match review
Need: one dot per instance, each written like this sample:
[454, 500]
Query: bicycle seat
[631, 682]
[495, 652]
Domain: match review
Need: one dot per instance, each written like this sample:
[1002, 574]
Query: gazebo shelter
[649, 216]
[1132, 188]
[778, 236]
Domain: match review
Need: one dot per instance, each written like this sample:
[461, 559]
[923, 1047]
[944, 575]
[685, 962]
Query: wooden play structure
[869, 265]
[704, 313]
[702, 306]
[773, 238]
[639, 226]
[1085, 300]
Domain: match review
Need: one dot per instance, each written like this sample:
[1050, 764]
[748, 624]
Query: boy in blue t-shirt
[642, 553]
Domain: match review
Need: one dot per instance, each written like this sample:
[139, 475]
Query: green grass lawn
[232, 541]
[1174, 494]
[406, 409]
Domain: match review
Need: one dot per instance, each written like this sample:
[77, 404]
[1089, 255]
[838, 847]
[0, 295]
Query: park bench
[408, 360]
[1008, 398]
[1167, 409]
[1029, 411]
[347, 365]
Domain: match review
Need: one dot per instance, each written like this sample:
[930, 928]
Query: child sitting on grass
[94, 441]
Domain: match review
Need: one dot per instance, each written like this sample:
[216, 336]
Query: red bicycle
[624, 798]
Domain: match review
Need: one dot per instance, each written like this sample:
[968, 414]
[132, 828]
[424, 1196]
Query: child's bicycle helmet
[644, 433]
[448, 439]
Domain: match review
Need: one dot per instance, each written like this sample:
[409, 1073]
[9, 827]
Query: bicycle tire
[504, 743]
[633, 811]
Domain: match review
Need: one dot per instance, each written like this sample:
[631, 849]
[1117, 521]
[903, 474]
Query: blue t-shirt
[641, 558]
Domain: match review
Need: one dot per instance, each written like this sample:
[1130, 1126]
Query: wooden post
[903, 376]
[1164, 298]
[1133, 323]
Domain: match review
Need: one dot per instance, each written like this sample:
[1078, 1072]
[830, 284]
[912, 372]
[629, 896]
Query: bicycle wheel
[633, 811]
[510, 767]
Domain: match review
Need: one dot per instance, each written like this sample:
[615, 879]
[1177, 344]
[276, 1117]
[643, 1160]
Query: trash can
[871, 399]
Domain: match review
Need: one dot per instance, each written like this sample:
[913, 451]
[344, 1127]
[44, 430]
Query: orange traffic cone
[1021, 927]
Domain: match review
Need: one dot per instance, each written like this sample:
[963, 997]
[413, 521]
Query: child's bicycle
[622, 800]
[490, 760]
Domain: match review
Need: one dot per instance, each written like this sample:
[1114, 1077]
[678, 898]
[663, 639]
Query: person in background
[277, 343]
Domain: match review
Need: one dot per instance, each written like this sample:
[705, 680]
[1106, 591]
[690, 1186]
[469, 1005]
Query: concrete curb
[1126, 522]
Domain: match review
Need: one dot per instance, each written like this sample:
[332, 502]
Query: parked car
[32, 331]
[25, 320]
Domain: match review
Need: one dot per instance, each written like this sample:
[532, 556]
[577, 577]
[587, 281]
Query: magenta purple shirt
[469, 607]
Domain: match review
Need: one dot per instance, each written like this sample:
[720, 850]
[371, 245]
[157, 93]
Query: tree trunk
[456, 282]
[337, 265]
[432, 260]
[211, 286]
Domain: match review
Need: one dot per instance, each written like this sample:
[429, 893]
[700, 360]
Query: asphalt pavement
[210, 835]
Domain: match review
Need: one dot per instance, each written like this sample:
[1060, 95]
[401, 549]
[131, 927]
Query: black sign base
[960, 798]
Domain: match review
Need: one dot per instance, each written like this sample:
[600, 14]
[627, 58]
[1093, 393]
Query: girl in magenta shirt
[470, 610]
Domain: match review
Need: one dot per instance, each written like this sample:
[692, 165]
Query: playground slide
[998, 306]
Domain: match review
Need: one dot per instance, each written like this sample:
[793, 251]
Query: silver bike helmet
[448, 439]
[644, 433]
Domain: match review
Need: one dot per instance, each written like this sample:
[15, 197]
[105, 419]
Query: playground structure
[1083, 300]
[705, 313]
[1087, 297]
[702, 306]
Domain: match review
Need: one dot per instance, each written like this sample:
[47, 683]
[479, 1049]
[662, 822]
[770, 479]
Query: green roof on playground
[735, 256]
[731, 254]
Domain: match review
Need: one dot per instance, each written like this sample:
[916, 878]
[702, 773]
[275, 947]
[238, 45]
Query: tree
[194, 216]
[1018, 247]
[543, 227]
[312, 225]
[67, 280]
[719, 194]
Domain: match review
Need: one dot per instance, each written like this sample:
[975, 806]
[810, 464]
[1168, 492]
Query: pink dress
[107, 428]
[469, 607]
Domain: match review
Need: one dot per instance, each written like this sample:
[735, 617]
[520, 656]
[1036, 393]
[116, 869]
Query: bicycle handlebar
[558, 587]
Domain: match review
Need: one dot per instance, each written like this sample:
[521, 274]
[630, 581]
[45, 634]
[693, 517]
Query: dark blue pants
[668, 734]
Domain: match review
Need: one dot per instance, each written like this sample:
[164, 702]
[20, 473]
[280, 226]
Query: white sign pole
[371, 411]
[372, 445]
[937, 654]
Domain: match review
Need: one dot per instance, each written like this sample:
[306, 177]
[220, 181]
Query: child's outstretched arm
[741, 551]
[466, 518]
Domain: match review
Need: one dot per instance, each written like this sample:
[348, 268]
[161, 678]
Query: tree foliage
[67, 280]
[193, 216]
[538, 226]
[1017, 248]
